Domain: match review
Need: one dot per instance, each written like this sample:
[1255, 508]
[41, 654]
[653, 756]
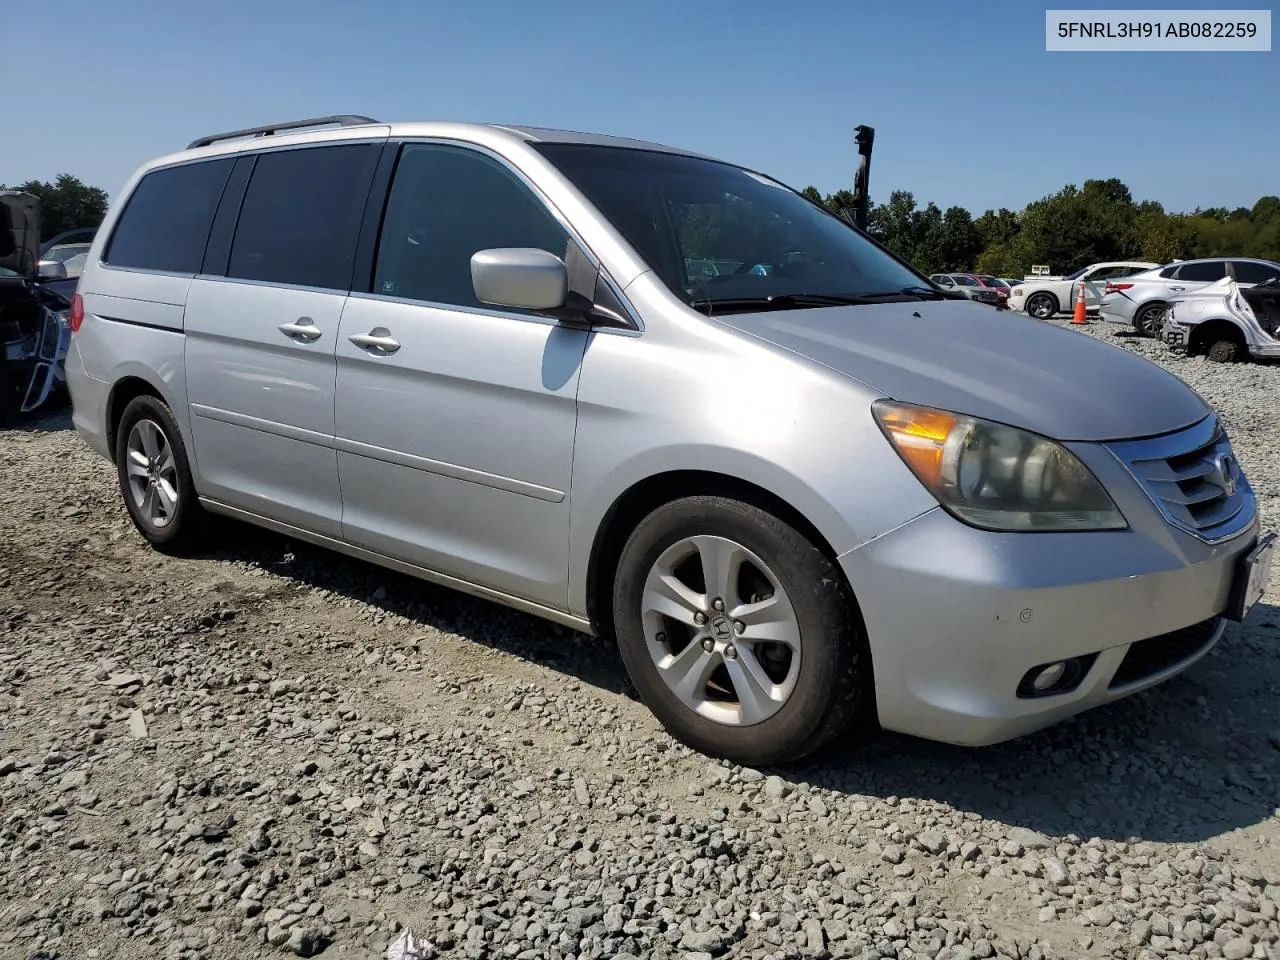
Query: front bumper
[957, 617]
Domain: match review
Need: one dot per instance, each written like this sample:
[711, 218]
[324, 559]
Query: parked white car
[1042, 298]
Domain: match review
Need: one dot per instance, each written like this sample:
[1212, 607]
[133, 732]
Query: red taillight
[77, 312]
[1117, 287]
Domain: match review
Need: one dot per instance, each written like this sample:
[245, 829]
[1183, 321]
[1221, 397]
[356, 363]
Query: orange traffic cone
[1079, 315]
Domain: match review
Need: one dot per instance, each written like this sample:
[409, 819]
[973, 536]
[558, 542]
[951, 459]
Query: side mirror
[51, 270]
[523, 277]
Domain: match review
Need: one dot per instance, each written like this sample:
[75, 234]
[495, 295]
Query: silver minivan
[803, 498]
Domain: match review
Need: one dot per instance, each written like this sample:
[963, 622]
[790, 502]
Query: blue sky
[968, 107]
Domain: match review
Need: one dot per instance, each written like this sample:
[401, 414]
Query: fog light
[1048, 678]
[1059, 676]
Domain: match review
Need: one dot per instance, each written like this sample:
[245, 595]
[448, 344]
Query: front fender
[846, 514]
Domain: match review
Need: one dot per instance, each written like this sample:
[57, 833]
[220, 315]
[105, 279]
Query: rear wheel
[1150, 319]
[1224, 351]
[1042, 306]
[738, 632]
[155, 476]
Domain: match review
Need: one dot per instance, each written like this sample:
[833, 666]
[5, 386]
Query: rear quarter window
[166, 220]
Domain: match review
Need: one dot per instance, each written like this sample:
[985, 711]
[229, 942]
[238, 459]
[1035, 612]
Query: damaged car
[34, 333]
[1226, 321]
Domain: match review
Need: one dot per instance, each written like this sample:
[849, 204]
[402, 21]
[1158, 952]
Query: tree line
[66, 203]
[1066, 230]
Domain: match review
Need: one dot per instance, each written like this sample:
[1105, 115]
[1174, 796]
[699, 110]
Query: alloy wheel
[721, 630]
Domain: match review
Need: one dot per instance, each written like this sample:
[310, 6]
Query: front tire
[1042, 306]
[738, 632]
[155, 476]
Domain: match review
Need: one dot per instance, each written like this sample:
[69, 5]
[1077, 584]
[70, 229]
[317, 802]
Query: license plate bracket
[1253, 571]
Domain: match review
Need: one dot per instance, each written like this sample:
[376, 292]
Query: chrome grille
[1193, 477]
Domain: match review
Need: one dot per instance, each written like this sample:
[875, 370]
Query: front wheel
[738, 632]
[1042, 306]
[155, 476]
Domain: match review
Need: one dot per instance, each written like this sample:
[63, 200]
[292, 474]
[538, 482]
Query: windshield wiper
[914, 293]
[780, 301]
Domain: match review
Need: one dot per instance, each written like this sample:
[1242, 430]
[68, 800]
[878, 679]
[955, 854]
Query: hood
[968, 358]
[19, 233]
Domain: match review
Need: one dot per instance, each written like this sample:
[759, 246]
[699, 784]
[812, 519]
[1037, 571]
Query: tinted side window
[166, 220]
[301, 216]
[1169, 271]
[447, 203]
[1199, 272]
[1247, 272]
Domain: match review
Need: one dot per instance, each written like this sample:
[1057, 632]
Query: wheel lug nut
[699, 618]
[730, 653]
[739, 627]
[718, 603]
[708, 644]
[660, 637]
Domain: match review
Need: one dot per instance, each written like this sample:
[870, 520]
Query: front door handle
[304, 329]
[377, 340]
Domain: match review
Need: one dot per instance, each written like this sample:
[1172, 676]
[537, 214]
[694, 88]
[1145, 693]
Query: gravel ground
[271, 751]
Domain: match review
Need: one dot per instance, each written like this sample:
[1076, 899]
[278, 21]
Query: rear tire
[1150, 319]
[778, 665]
[155, 477]
[1224, 351]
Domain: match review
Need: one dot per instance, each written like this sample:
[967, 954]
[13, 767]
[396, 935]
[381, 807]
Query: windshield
[682, 213]
[1077, 275]
[964, 281]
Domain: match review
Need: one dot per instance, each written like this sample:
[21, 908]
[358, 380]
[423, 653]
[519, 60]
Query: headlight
[1017, 292]
[997, 477]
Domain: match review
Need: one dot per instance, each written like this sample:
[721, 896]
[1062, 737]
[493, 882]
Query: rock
[1237, 949]
[750, 775]
[137, 724]
[579, 918]
[1055, 872]
[776, 787]
[1030, 839]
[815, 937]
[934, 841]
[712, 942]
[1100, 916]
[75, 780]
[893, 854]
[306, 941]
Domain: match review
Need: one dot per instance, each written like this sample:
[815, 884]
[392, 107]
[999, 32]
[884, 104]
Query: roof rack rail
[344, 120]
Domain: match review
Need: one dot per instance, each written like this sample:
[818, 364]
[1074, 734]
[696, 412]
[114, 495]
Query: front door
[1095, 284]
[261, 339]
[454, 420]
